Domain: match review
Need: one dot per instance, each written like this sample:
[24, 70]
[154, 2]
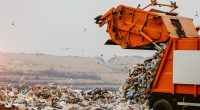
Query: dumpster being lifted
[177, 80]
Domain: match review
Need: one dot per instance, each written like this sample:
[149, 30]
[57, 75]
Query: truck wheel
[162, 104]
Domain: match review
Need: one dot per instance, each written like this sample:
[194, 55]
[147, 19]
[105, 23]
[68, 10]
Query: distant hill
[65, 70]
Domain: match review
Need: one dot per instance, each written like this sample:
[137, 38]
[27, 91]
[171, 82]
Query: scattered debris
[133, 94]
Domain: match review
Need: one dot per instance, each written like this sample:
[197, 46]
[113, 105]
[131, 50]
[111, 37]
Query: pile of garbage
[60, 98]
[137, 87]
[132, 95]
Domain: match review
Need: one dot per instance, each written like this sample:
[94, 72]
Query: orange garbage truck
[177, 82]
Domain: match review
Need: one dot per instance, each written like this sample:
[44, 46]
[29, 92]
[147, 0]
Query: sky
[66, 27]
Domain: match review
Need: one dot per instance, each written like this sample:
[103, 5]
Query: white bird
[196, 14]
[65, 48]
[70, 87]
[86, 29]
[68, 73]
[98, 62]
[21, 81]
[51, 84]
[100, 59]
[13, 23]
[69, 80]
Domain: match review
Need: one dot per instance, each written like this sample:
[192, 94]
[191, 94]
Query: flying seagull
[196, 14]
[21, 81]
[84, 30]
[13, 23]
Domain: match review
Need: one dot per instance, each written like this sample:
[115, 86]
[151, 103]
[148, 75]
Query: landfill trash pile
[59, 98]
[132, 95]
[137, 87]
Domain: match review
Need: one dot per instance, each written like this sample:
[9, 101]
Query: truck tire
[162, 104]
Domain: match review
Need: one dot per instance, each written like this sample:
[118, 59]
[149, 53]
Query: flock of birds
[22, 82]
